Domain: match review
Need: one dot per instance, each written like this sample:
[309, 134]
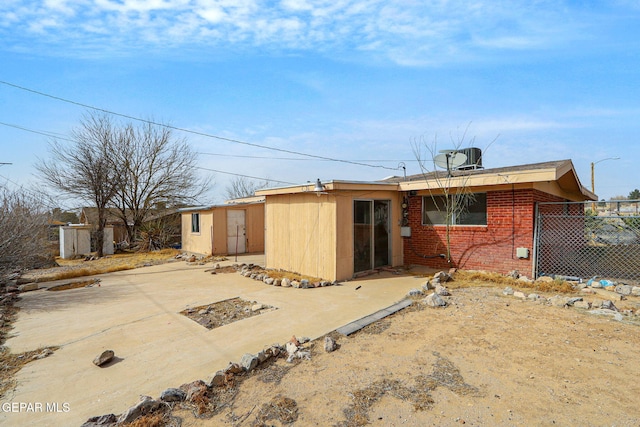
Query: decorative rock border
[199, 391]
[258, 273]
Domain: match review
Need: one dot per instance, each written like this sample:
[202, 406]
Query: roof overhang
[329, 187]
[559, 178]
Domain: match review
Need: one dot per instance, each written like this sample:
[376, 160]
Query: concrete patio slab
[136, 314]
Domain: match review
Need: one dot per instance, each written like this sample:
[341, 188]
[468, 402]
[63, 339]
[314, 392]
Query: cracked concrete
[136, 314]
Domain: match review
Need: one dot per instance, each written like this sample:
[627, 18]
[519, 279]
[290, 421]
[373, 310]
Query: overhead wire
[53, 135]
[236, 141]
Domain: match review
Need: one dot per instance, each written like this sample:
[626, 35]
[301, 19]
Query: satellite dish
[450, 159]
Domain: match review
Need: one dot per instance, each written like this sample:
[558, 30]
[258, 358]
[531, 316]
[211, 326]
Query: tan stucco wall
[300, 234]
[254, 219]
[213, 228]
[199, 243]
[313, 235]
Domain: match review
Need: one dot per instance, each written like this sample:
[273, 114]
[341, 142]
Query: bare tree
[156, 169]
[23, 231]
[83, 167]
[243, 187]
[452, 197]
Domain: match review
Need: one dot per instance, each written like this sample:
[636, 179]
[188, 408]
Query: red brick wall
[510, 222]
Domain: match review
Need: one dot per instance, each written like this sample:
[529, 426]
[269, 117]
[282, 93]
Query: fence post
[536, 237]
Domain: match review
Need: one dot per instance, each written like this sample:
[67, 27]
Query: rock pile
[604, 307]
[258, 273]
[435, 284]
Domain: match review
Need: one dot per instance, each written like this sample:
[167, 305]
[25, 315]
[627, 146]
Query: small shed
[232, 228]
[76, 240]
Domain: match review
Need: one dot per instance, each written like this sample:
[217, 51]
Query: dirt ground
[486, 359]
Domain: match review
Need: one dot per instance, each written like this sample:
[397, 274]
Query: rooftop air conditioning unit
[474, 159]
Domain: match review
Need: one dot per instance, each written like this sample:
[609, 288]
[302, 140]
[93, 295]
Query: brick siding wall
[510, 225]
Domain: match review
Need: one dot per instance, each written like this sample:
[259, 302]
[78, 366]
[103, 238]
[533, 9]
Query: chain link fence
[587, 239]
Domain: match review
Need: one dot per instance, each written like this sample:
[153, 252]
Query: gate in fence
[587, 239]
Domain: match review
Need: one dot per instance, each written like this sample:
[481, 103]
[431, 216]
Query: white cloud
[405, 31]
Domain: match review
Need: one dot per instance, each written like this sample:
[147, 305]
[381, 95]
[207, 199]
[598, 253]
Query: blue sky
[345, 79]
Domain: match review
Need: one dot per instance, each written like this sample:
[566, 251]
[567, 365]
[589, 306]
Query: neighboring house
[169, 218]
[351, 227]
[89, 216]
[233, 228]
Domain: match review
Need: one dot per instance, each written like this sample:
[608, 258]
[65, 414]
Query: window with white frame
[470, 209]
[195, 222]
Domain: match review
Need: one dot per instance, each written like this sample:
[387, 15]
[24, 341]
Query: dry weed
[109, 264]
[475, 279]
[446, 374]
[11, 363]
[280, 408]
[274, 373]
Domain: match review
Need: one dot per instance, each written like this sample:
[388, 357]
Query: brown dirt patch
[222, 313]
[486, 359]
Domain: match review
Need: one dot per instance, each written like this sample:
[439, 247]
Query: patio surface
[135, 313]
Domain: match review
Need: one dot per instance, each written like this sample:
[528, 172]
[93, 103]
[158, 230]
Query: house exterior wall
[255, 227]
[313, 235]
[201, 242]
[510, 225]
[300, 234]
[212, 238]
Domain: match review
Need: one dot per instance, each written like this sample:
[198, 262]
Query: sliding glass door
[371, 234]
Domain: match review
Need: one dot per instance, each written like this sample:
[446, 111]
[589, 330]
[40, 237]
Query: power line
[236, 141]
[47, 133]
[51, 134]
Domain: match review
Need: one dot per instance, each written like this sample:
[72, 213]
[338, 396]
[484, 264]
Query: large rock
[559, 301]
[604, 312]
[103, 358]
[635, 291]
[108, 420]
[249, 362]
[218, 380]
[442, 277]
[233, 368]
[414, 292]
[442, 291]
[624, 289]
[173, 395]
[572, 301]
[286, 283]
[146, 406]
[330, 344]
[609, 305]
[194, 389]
[434, 300]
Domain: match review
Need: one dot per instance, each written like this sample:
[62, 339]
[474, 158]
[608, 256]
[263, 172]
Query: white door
[236, 232]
